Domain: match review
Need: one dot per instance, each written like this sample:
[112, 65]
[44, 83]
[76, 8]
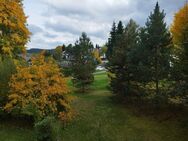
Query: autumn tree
[57, 54]
[96, 55]
[83, 62]
[103, 50]
[179, 31]
[39, 90]
[179, 27]
[13, 28]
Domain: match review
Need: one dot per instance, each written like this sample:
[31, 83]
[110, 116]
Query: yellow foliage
[66, 117]
[14, 32]
[176, 100]
[111, 75]
[97, 55]
[6, 50]
[41, 86]
[179, 27]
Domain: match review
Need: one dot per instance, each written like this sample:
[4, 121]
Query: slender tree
[120, 64]
[111, 41]
[120, 28]
[156, 41]
[83, 62]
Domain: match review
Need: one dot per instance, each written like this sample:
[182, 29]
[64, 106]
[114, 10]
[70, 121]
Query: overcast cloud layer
[57, 22]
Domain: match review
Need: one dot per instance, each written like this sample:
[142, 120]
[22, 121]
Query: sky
[58, 22]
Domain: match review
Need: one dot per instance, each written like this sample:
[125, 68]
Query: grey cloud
[59, 27]
[90, 10]
[76, 28]
[66, 19]
[49, 35]
[102, 11]
[35, 29]
[42, 43]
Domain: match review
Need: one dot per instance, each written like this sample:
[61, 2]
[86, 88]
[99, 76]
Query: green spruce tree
[120, 64]
[111, 41]
[156, 44]
[83, 62]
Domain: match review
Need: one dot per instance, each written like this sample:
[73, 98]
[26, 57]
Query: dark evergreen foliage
[83, 62]
[120, 63]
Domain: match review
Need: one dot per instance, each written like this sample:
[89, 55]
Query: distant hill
[37, 50]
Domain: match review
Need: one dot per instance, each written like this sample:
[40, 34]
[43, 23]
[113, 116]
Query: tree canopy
[83, 62]
[40, 88]
[14, 33]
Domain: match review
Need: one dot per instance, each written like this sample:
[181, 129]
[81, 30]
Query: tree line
[148, 62]
[151, 60]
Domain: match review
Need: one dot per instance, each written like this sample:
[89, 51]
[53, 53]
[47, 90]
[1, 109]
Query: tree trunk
[157, 71]
[128, 84]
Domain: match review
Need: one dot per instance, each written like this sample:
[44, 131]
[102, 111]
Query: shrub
[48, 129]
[39, 90]
[43, 130]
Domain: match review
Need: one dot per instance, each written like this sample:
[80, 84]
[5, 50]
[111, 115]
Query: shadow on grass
[176, 114]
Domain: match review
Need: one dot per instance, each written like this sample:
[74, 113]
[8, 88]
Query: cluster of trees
[150, 60]
[38, 90]
[78, 61]
[143, 61]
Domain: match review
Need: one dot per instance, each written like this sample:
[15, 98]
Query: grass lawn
[14, 130]
[101, 119]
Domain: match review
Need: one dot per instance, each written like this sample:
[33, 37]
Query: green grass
[100, 119]
[14, 130]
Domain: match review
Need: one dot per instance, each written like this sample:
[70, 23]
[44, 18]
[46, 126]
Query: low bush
[48, 129]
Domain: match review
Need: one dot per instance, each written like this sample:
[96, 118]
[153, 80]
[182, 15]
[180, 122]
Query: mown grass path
[100, 119]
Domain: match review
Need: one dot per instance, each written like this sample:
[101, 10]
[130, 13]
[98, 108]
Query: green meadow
[100, 118]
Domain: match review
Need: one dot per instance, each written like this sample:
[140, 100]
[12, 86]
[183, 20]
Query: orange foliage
[42, 87]
[14, 33]
[179, 28]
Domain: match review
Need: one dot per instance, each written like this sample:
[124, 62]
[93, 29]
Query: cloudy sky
[57, 22]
